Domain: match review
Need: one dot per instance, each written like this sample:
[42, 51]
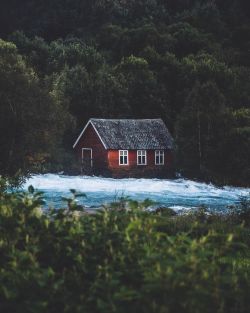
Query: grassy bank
[121, 260]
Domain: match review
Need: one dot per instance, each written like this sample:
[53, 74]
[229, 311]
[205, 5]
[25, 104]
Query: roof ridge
[126, 119]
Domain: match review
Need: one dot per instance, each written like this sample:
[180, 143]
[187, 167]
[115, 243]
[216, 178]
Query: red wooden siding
[91, 140]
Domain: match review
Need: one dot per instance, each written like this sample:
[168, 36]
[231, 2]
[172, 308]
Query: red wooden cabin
[125, 148]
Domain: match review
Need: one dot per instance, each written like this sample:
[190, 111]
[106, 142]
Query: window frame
[121, 154]
[158, 154]
[142, 155]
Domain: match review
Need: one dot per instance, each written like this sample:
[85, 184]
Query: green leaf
[31, 189]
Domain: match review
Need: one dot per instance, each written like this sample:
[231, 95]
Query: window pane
[123, 157]
[141, 157]
[157, 159]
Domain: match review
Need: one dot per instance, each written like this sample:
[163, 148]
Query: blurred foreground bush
[120, 260]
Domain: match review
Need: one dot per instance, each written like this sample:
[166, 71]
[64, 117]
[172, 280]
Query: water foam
[177, 192]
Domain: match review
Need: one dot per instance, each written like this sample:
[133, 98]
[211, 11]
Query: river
[175, 193]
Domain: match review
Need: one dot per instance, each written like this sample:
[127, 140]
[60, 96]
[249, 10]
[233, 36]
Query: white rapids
[176, 193]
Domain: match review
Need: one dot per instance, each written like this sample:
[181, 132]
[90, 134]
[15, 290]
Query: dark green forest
[186, 61]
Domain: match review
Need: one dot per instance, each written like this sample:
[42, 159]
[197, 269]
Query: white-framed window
[123, 157]
[159, 157]
[141, 157]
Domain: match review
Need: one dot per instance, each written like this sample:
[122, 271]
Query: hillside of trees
[186, 61]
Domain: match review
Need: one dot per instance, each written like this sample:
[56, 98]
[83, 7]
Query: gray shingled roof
[133, 134]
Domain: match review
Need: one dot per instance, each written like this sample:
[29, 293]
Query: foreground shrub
[241, 212]
[119, 261]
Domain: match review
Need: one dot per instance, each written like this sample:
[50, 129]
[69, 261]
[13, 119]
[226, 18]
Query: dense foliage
[185, 61]
[121, 260]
